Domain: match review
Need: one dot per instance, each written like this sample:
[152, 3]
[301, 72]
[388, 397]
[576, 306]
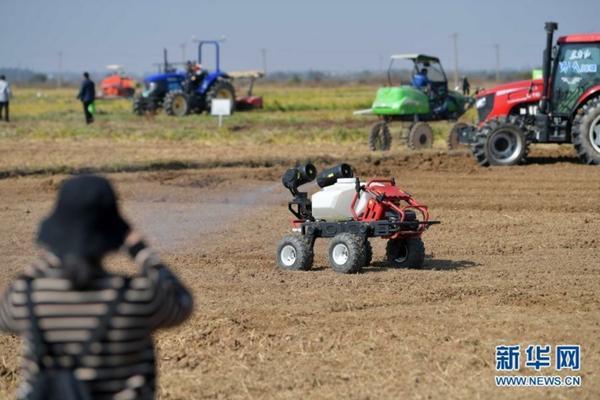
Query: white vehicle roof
[246, 74]
[414, 56]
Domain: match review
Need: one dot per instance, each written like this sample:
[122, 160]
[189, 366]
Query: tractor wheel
[405, 253]
[176, 104]
[368, 254]
[586, 132]
[221, 89]
[347, 253]
[380, 138]
[501, 141]
[294, 252]
[139, 105]
[453, 137]
[420, 136]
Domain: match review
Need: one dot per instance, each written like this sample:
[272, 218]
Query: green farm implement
[426, 99]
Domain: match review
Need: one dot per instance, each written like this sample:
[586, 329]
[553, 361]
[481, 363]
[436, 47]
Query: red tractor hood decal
[511, 95]
[512, 88]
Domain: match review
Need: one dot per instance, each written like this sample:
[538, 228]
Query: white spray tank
[333, 201]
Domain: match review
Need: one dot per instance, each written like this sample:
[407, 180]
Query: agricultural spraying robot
[418, 105]
[350, 213]
[562, 107]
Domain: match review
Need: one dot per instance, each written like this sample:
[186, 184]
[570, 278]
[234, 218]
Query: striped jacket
[121, 365]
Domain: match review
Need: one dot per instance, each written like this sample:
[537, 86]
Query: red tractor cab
[562, 107]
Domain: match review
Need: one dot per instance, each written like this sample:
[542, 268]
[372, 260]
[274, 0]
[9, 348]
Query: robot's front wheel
[347, 253]
[295, 253]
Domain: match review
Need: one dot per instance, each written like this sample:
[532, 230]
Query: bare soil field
[515, 261]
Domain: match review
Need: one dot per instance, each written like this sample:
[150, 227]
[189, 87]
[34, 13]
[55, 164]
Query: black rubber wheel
[347, 253]
[368, 254]
[420, 136]
[586, 132]
[454, 135]
[405, 253]
[176, 104]
[139, 105]
[295, 253]
[380, 138]
[501, 141]
[221, 89]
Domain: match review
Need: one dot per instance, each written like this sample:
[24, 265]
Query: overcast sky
[334, 35]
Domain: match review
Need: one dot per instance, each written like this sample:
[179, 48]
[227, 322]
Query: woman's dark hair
[81, 271]
[83, 227]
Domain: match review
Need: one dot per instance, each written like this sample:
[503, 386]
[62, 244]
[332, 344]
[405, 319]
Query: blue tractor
[181, 93]
[156, 87]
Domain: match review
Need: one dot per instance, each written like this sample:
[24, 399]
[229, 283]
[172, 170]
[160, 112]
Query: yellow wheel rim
[178, 104]
[224, 94]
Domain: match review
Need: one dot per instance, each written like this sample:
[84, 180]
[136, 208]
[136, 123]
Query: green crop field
[48, 133]
[290, 113]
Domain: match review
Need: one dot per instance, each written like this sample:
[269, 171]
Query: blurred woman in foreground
[88, 333]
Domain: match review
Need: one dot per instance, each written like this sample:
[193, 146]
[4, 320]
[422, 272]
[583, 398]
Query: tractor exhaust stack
[550, 28]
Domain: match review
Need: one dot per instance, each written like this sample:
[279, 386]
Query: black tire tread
[416, 253]
[453, 143]
[138, 105]
[584, 116]
[168, 101]
[304, 252]
[413, 142]
[215, 88]
[479, 145]
[356, 248]
[380, 137]
[368, 254]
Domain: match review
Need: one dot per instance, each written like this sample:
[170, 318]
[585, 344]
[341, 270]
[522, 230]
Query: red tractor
[350, 212]
[563, 107]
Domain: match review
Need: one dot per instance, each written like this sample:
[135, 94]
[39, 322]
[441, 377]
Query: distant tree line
[381, 77]
[21, 75]
[311, 77]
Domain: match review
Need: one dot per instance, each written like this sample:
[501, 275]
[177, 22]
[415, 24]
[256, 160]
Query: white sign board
[220, 107]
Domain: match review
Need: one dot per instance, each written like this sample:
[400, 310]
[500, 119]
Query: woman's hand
[134, 243]
[132, 238]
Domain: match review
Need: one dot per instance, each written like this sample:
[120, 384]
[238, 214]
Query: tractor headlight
[480, 103]
[149, 89]
[484, 106]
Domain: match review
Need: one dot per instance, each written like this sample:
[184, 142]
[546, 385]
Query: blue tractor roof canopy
[162, 76]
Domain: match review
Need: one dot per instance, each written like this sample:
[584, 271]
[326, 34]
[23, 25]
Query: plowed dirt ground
[515, 261]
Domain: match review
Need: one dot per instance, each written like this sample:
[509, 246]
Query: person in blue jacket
[87, 95]
[420, 80]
